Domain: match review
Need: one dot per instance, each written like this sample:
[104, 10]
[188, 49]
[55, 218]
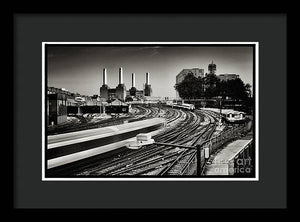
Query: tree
[211, 81]
[190, 87]
[234, 88]
[248, 89]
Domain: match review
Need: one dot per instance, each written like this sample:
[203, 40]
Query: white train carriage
[67, 148]
[185, 106]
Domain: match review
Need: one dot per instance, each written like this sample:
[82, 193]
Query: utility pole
[220, 109]
[198, 154]
[220, 104]
[198, 160]
[100, 105]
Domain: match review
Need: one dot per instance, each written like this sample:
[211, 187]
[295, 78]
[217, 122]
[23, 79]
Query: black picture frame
[32, 29]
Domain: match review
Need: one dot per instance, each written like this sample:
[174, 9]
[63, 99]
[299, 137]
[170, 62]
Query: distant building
[132, 90]
[208, 78]
[135, 93]
[195, 71]
[104, 91]
[212, 68]
[120, 91]
[113, 93]
[117, 106]
[153, 98]
[147, 90]
[56, 105]
[228, 76]
[60, 101]
[53, 90]
[71, 102]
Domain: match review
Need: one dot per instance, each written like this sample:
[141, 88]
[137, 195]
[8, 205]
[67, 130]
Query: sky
[79, 68]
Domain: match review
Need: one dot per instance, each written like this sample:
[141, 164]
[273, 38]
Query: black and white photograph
[170, 111]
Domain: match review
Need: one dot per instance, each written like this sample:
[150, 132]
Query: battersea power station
[120, 91]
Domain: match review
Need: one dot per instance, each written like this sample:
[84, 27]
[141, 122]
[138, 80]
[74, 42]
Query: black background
[30, 30]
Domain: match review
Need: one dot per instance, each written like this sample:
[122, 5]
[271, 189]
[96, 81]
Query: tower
[104, 88]
[121, 89]
[147, 89]
[121, 76]
[132, 91]
[212, 68]
[133, 79]
[147, 78]
[104, 77]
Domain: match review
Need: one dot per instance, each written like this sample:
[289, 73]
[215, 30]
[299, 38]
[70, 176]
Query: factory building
[113, 93]
[133, 91]
[195, 71]
[120, 91]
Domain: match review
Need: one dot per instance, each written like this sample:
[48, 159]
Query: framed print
[202, 128]
[150, 111]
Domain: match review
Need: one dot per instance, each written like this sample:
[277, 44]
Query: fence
[213, 144]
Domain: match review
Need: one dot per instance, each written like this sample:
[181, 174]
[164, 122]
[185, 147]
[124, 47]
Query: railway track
[179, 166]
[85, 123]
[188, 129]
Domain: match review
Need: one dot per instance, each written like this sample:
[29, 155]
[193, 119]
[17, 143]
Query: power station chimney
[147, 88]
[133, 79]
[104, 77]
[120, 75]
[147, 78]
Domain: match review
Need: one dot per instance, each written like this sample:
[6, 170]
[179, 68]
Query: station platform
[224, 161]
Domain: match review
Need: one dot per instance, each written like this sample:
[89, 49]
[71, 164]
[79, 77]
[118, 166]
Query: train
[71, 147]
[186, 106]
